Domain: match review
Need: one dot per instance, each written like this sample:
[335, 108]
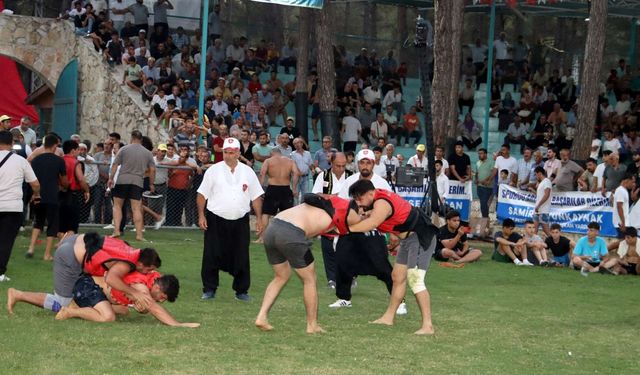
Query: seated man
[90, 254]
[561, 247]
[589, 251]
[452, 242]
[626, 261]
[97, 302]
[508, 244]
[535, 243]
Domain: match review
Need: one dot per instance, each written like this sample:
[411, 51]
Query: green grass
[489, 318]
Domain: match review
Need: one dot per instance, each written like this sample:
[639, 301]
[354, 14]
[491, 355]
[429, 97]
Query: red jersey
[400, 210]
[70, 164]
[339, 218]
[134, 278]
[217, 155]
[112, 249]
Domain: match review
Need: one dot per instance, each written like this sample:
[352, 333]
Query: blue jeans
[564, 260]
[485, 194]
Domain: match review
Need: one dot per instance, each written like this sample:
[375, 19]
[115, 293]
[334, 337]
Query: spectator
[442, 186]
[410, 128]
[508, 162]
[392, 125]
[543, 201]
[466, 96]
[621, 204]
[288, 57]
[525, 166]
[516, 133]
[418, 160]
[26, 131]
[77, 192]
[568, 173]
[478, 54]
[626, 260]
[246, 148]
[470, 131]
[393, 98]
[379, 168]
[215, 25]
[91, 175]
[140, 15]
[589, 251]
[350, 130]
[586, 181]
[598, 174]
[303, 161]
[133, 75]
[373, 96]
[484, 184]
[552, 165]
[534, 243]
[388, 64]
[379, 128]
[460, 164]
[561, 247]
[389, 161]
[114, 50]
[283, 145]
[149, 90]
[261, 151]
[508, 244]
[178, 184]
[613, 174]
[452, 242]
[611, 144]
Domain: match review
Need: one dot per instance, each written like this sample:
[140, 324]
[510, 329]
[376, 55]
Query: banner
[459, 196]
[296, 3]
[572, 210]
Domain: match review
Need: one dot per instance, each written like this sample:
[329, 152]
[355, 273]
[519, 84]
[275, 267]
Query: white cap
[231, 143]
[366, 154]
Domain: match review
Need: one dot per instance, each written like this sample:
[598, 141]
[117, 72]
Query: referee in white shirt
[227, 191]
[331, 182]
[14, 170]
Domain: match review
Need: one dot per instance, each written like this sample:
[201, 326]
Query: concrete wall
[46, 46]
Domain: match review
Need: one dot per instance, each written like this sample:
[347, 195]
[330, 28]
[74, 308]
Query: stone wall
[46, 46]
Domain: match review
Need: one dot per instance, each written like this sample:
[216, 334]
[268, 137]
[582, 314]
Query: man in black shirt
[246, 148]
[459, 164]
[508, 243]
[452, 242]
[52, 174]
[289, 129]
[560, 246]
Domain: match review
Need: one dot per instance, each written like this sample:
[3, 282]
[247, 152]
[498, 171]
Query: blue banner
[458, 197]
[572, 210]
[317, 4]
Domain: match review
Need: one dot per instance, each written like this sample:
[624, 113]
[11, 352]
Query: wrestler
[288, 245]
[97, 302]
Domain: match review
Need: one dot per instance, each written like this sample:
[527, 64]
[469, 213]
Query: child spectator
[589, 250]
[508, 244]
[148, 90]
[561, 247]
[535, 244]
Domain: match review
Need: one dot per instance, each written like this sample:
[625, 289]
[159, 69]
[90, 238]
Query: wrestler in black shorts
[277, 198]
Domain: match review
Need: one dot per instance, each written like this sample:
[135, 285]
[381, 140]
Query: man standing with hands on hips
[227, 191]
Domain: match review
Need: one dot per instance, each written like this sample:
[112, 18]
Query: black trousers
[329, 258]
[361, 254]
[226, 248]
[176, 199]
[10, 223]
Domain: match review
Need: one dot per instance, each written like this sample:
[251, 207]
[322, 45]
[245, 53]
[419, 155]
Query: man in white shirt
[623, 105]
[14, 170]
[379, 169]
[351, 129]
[418, 160]
[517, 133]
[543, 202]
[502, 49]
[478, 53]
[117, 13]
[610, 142]
[394, 99]
[596, 143]
[598, 174]
[28, 133]
[219, 107]
[331, 182]
[508, 162]
[442, 185]
[621, 204]
[390, 162]
[228, 191]
[373, 96]
[362, 253]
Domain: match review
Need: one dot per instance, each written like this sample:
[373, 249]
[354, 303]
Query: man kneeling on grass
[97, 302]
[590, 250]
[508, 244]
[535, 243]
[452, 242]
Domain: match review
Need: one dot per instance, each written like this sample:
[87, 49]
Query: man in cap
[227, 192]
[5, 122]
[418, 160]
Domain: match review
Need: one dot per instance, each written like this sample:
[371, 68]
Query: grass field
[489, 318]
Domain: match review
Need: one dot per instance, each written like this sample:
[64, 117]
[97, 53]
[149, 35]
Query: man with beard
[362, 253]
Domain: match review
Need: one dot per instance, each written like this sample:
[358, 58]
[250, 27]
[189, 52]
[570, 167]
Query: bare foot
[63, 314]
[47, 258]
[141, 239]
[315, 329]
[425, 331]
[383, 321]
[11, 299]
[263, 325]
[116, 234]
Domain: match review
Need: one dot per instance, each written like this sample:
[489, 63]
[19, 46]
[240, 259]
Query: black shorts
[437, 255]
[276, 199]
[284, 242]
[315, 111]
[127, 191]
[69, 211]
[632, 268]
[50, 213]
[86, 293]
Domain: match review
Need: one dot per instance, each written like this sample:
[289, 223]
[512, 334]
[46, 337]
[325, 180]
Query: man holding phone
[452, 241]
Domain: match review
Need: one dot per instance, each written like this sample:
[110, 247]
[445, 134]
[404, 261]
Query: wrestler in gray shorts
[66, 271]
[412, 255]
[284, 242]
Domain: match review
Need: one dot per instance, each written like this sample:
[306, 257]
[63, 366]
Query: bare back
[279, 170]
[308, 218]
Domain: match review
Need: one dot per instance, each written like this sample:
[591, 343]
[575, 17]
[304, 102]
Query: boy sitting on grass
[508, 244]
[561, 247]
[589, 251]
[535, 243]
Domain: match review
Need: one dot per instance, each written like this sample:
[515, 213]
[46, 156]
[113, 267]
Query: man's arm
[381, 211]
[452, 168]
[452, 242]
[619, 207]
[114, 279]
[257, 208]
[296, 177]
[201, 203]
[263, 172]
[545, 197]
[159, 312]
[82, 181]
[152, 176]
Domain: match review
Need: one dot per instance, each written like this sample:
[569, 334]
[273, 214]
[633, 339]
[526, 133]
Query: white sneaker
[110, 226]
[527, 263]
[340, 303]
[4, 278]
[402, 309]
[134, 229]
[517, 262]
[159, 223]
[583, 271]
[22, 229]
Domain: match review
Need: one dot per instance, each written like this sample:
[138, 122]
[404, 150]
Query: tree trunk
[301, 100]
[326, 75]
[442, 55]
[590, 79]
[401, 32]
[457, 18]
